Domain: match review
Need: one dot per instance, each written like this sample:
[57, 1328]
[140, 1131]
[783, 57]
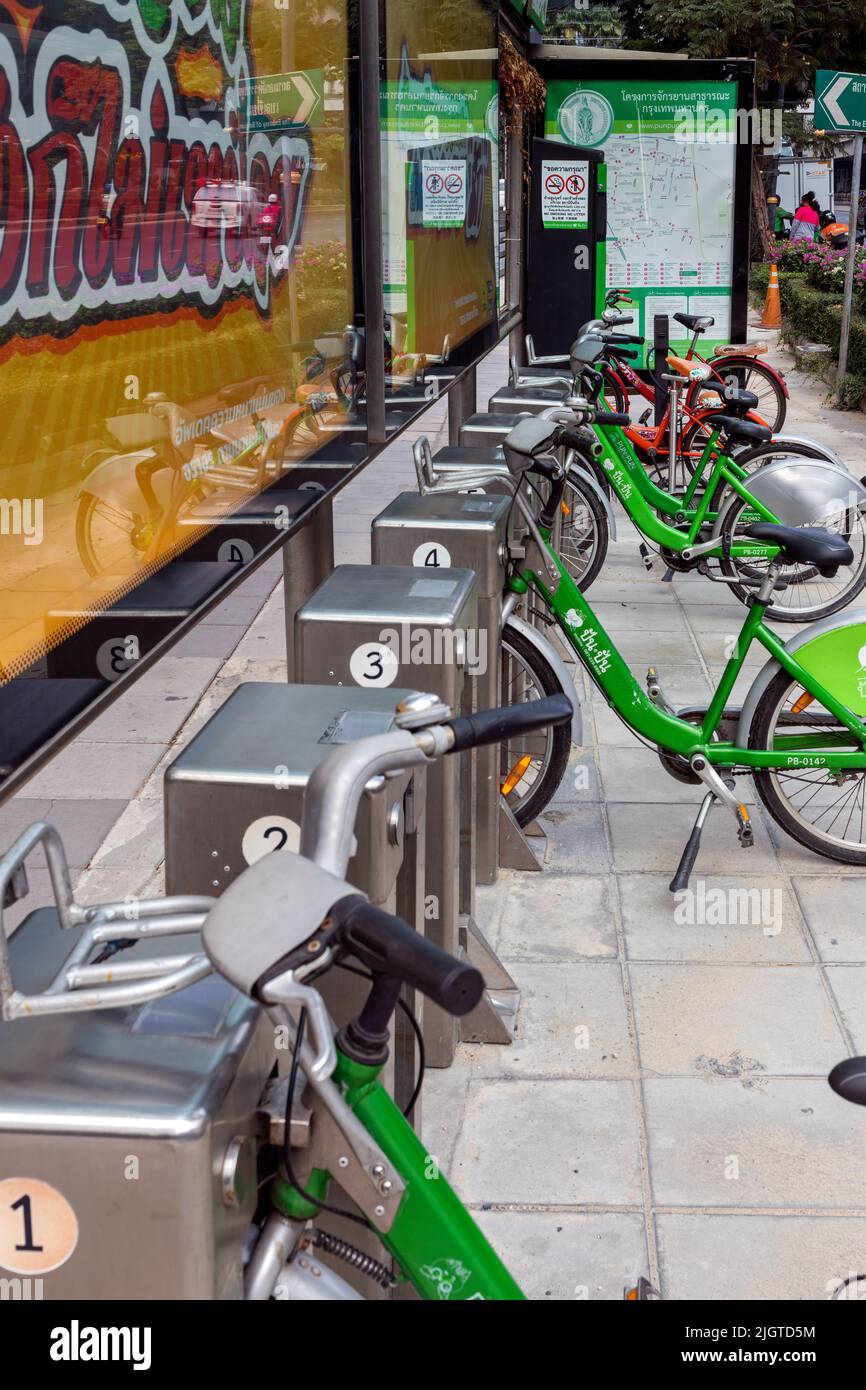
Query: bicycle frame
[608, 669]
[437, 1244]
[643, 500]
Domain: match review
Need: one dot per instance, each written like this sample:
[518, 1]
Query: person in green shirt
[780, 231]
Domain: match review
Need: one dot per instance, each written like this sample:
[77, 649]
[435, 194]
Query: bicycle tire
[740, 369]
[761, 735]
[517, 647]
[775, 612]
[578, 488]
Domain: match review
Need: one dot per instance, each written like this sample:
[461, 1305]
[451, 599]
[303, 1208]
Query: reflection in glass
[175, 285]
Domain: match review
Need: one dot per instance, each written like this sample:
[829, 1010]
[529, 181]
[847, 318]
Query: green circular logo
[585, 118]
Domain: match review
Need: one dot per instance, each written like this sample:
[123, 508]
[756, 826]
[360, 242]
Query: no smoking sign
[564, 194]
[444, 183]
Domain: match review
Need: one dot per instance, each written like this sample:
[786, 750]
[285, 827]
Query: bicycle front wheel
[823, 810]
[585, 533]
[532, 766]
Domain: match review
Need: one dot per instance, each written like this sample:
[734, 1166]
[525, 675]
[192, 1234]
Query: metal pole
[371, 215]
[849, 263]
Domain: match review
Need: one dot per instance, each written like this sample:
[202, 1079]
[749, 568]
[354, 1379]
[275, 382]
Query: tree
[788, 40]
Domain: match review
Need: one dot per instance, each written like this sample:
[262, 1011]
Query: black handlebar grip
[628, 353]
[625, 338]
[510, 721]
[388, 946]
[612, 417]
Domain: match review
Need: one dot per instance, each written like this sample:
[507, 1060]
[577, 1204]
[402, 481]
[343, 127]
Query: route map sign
[564, 193]
[670, 153]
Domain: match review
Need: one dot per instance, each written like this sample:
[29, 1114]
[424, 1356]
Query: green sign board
[669, 149]
[840, 100]
[284, 100]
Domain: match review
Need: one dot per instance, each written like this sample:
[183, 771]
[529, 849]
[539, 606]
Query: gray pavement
[664, 1107]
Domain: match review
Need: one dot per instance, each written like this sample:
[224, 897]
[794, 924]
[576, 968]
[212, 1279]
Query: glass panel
[440, 168]
[176, 278]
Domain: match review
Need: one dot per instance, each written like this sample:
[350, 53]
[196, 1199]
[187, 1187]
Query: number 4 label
[432, 555]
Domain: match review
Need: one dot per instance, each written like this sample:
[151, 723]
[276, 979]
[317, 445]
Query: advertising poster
[171, 224]
[670, 153]
[420, 110]
[450, 263]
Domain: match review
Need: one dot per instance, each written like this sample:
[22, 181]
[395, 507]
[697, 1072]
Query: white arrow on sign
[831, 98]
[309, 98]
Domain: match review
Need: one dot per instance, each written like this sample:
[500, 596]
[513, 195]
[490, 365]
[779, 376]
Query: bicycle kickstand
[720, 792]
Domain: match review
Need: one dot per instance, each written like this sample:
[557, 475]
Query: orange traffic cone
[772, 304]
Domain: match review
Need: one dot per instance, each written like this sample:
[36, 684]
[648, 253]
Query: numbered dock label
[269, 834]
[38, 1228]
[374, 665]
[432, 555]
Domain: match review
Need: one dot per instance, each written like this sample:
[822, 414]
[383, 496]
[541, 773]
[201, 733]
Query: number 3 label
[38, 1228]
[432, 555]
[373, 664]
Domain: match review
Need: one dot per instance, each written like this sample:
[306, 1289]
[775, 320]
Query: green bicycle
[724, 497]
[800, 733]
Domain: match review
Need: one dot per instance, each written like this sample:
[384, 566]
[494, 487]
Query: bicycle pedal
[745, 833]
[647, 556]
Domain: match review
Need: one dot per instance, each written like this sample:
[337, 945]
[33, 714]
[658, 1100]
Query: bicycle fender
[113, 480]
[833, 650]
[805, 493]
[586, 476]
[823, 449]
[545, 648]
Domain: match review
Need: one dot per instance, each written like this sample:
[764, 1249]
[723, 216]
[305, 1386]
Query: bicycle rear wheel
[747, 374]
[531, 767]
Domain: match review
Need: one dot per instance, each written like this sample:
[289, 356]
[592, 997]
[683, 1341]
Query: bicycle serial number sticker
[38, 1228]
[432, 555]
[374, 664]
[269, 834]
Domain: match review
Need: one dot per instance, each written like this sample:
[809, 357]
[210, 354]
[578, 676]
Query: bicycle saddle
[748, 431]
[138, 431]
[695, 323]
[848, 1079]
[811, 545]
[271, 909]
[733, 396]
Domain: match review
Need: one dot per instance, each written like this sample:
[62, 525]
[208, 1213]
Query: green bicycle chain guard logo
[838, 660]
[585, 118]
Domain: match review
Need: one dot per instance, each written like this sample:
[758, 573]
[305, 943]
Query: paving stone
[715, 920]
[783, 1144]
[549, 1142]
[848, 983]
[652, 837]
[572, 1022]
[86, 771]
[757, 1257]
[567, 1256]
[576, 840]
[552, 918]
[746, 1020]
[835, 910]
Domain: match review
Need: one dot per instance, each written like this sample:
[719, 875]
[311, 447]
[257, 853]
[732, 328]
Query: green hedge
[816, 315]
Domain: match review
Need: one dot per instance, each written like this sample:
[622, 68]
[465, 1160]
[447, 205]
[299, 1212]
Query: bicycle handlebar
[494, 725]
[388, 946]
